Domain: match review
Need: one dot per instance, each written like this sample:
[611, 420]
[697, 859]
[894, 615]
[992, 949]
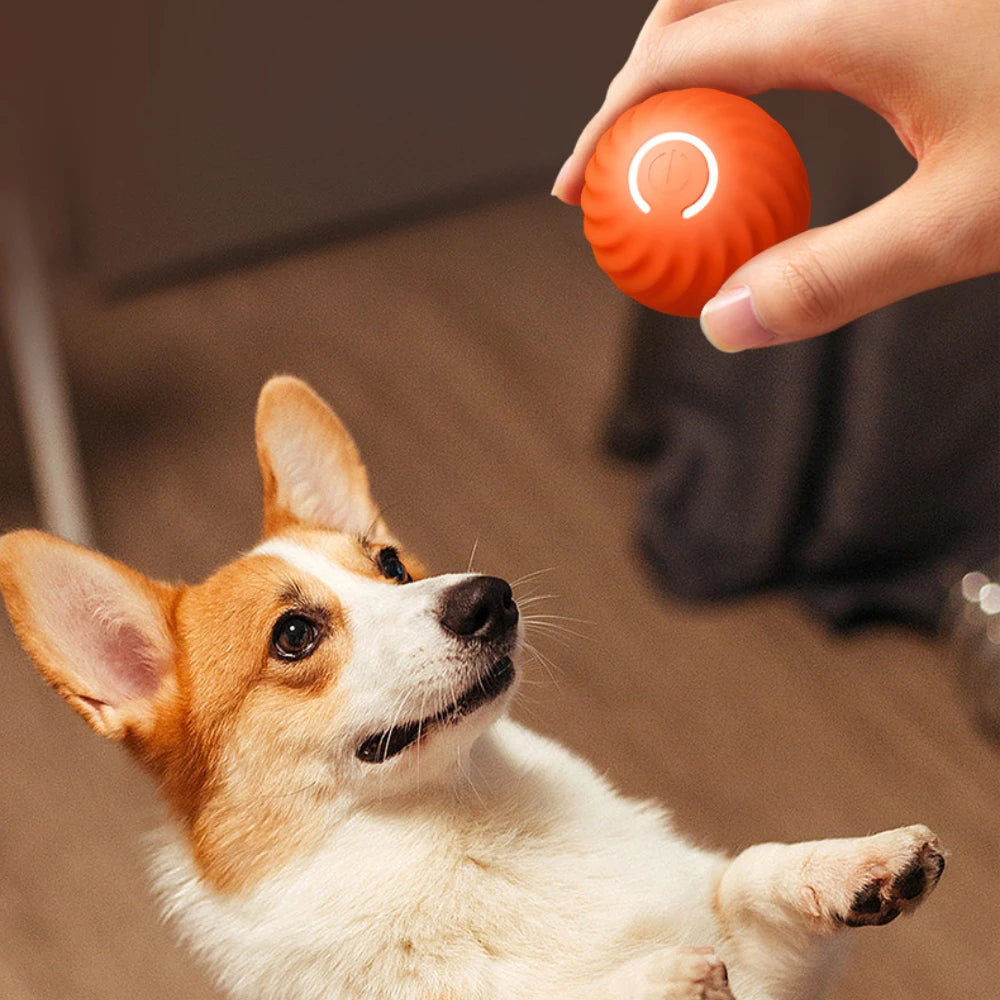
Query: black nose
[481, 607]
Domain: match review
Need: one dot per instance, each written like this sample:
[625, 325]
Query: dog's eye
[294, 637]
[390, 565]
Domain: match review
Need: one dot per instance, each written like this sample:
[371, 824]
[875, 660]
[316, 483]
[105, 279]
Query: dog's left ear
[311, 470]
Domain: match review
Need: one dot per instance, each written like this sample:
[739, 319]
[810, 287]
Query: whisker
[528, 599]
[552, 671]
[555, 630]
[420, 732]
[467, 767]
[288, 793]
[529, 707]
[396, 715]
[531, 577]
[548, 616]
[529, 682]
[553, 616]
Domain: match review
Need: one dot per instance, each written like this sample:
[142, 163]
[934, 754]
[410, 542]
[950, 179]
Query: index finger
[741, 46]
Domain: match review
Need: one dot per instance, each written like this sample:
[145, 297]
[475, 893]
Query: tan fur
[242, 725]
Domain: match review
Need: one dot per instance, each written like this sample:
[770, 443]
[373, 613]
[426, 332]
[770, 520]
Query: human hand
[931, 69]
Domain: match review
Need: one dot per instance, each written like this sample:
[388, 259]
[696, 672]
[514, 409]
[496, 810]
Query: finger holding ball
[686, 187]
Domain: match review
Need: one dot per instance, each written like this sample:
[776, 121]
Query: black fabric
[860, 470]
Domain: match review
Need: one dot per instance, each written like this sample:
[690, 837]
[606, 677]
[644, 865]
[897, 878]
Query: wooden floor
[473, 357]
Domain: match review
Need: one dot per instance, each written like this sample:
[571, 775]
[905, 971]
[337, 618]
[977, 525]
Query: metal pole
[39, 379]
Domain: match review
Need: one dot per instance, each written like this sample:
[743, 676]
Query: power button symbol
[674, 168]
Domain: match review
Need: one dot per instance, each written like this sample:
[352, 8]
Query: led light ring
[713, 171]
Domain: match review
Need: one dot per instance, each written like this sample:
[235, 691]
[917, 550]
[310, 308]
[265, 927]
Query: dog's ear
[98, 632]
[310, 466]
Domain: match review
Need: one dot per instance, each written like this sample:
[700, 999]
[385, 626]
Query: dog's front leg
[669, 974]
[779, 906]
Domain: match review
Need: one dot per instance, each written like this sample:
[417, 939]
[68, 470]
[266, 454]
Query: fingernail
[731, 323]
[560, 177]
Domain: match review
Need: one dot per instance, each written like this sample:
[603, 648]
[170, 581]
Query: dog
[352, 814]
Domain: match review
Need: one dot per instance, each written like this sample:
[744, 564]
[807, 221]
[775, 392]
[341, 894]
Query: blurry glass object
[974, 632]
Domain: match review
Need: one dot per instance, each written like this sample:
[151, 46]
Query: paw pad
[883, 899]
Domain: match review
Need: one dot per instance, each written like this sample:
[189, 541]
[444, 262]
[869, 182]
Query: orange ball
[686, 187]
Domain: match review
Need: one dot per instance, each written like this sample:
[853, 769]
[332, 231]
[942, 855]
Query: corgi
[353, 816]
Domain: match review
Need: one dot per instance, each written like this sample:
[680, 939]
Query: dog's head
[319, 672]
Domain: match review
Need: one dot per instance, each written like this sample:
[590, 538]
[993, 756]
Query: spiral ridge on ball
[675, 264]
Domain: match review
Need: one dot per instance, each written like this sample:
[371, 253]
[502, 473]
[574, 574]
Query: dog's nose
[480, 607]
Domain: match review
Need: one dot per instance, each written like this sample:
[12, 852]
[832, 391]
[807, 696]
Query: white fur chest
[532, 880]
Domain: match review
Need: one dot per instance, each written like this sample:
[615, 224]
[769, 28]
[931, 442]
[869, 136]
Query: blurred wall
[193, 129]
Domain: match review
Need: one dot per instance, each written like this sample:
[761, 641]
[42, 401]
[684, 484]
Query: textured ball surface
[686, 187]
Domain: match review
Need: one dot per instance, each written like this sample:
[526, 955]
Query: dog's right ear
[97, 631]
[311, 470]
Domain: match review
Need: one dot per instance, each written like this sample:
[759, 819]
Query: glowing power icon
[657, 140]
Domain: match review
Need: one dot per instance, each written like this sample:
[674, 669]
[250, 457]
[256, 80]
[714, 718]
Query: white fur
[530, 878]
[503, 867]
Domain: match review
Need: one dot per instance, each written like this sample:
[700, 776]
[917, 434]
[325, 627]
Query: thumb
[823, 278]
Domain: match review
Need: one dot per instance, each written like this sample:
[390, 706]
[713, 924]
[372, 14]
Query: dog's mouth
[385, 745]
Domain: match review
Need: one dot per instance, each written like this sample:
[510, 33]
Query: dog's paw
[681, 974]
[895, 886]
[879, 877]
